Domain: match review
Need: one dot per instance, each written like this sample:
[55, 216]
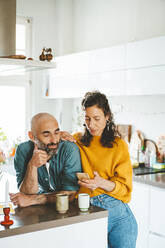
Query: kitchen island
[42, 225]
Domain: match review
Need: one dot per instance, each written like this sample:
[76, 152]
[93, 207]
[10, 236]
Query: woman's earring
[84, 125]
[108, 124]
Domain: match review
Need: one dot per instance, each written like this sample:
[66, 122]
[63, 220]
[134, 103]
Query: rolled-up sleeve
[23, 155]
[72, 165]
[19, 162]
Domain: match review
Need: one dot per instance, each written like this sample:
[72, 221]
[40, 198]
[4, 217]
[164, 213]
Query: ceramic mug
[83, 202]
[62, 203]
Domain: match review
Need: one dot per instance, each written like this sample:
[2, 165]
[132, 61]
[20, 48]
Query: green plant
[3, 137]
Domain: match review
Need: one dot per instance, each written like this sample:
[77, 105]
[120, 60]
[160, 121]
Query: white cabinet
[91, 233]
[136, 68]
[156, 241]
[148, 206]
[102, 69]
[157, 211]
[145, 53]
[146, 81]
[107, 59]
[139, 205]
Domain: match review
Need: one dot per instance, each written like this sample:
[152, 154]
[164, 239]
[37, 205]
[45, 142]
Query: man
[45, 165]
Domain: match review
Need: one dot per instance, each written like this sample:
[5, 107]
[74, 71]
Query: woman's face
[95, 120]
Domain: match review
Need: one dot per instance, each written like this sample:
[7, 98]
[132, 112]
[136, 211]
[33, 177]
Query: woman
[105, 158]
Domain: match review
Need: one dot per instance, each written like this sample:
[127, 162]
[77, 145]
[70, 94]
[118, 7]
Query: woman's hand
[66, 136]
[92, 184]
[97, 182]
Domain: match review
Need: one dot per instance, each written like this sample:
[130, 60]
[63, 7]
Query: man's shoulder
[26, 146]
[68, 146]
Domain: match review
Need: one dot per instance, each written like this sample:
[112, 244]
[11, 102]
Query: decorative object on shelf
[20, 56]
[42, 57]
[49, 55]
[46, 54]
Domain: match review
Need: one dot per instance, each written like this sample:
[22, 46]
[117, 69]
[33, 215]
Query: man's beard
[44, 147]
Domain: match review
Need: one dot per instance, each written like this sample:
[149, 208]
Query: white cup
[83, 201]
[62, 203]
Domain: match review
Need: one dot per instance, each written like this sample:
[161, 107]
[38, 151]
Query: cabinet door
[157, 211]
[146, 81]
[140, 208]
[156, 241]
[144, 53]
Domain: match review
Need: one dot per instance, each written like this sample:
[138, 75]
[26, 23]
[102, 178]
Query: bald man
[45, 165]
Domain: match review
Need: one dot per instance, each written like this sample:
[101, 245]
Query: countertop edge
[52, 224]
[144, 180]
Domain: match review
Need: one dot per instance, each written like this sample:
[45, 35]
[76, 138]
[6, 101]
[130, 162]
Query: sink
[145, 171]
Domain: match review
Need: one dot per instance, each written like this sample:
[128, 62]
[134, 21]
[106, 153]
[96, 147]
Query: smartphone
[82, 175]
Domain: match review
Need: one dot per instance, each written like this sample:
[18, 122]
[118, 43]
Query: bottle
[152, 158]
[147, 158]
[141, 157]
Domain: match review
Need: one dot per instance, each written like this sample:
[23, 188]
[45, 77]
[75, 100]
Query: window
[24, 36]
[15, 94]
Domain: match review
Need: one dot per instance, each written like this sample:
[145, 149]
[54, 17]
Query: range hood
[7, 44]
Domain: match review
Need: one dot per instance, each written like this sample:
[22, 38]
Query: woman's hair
[110, 131]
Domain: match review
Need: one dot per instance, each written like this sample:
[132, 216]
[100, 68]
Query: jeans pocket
[110, 202]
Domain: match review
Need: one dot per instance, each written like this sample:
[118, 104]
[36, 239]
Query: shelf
[15, 66]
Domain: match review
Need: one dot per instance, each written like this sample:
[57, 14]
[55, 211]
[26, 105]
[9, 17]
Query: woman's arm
[97, 182]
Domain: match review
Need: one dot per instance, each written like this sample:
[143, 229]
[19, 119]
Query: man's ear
[31, 136]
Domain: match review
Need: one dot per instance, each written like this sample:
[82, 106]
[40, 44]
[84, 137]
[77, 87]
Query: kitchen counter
[41, 217]
[157, 179]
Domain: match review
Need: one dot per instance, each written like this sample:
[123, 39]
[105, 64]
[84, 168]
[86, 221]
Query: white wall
[51, 27]
[104, 23]
[145, 113]
[77, 25]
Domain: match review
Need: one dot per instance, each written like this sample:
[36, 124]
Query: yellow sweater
[111, 163]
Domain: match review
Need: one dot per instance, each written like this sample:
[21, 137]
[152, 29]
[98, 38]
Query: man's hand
[66, 136]
[21, 199]
[39, 157]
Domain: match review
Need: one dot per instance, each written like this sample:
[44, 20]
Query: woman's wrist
[107, 185]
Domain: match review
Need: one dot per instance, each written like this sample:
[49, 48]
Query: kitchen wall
[78, 25]
[105, 23]
[51, 27]
[145, 113]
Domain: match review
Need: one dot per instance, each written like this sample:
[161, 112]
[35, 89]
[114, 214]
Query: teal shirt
[62, 169]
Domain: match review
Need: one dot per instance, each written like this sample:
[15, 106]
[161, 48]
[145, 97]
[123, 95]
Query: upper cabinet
[146, 53]
[136, 68]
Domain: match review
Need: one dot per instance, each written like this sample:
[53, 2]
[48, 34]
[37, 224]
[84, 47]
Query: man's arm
[23, 200]
[26, 172]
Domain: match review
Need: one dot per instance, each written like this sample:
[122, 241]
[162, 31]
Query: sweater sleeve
[122, 173]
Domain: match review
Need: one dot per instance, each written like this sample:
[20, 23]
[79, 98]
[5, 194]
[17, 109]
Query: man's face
[47, 136]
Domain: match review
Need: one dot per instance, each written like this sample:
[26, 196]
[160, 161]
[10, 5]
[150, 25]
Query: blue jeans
[122, 225]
